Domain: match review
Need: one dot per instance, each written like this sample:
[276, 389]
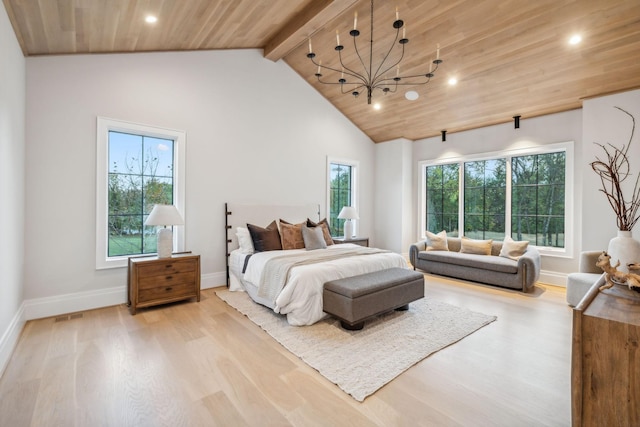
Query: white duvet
[301, 297]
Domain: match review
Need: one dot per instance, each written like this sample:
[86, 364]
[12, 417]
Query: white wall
[12, 170]
[553, 128]
[605, 124]
[256, 132]
[394, 196]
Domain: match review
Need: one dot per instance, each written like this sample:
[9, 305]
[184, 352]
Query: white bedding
[301, 297]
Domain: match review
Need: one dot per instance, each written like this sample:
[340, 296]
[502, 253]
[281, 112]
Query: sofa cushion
[484, 262]
[479, 247]
[437, 242]
[513, 249]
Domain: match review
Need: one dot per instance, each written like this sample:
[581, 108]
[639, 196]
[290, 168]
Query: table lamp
[164, 215]
[348, 213]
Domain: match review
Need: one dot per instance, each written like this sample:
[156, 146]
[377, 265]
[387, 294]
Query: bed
[290, 281]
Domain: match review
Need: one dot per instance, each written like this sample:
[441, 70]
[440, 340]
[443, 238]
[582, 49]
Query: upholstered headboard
[240, 214]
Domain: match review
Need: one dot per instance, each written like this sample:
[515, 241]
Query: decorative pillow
[265, 239]
[326, 231]
[313, 238]
[244, 240]
[478, 247]
[291, 235]
[437, 242]
[513, 249]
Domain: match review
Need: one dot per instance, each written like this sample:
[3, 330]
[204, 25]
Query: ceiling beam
[303, 25]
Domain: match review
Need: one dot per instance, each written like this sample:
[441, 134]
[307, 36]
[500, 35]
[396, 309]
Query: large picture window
[342, 177]
[524, 194]
[138, 167]
[484, 199]
[442, 189]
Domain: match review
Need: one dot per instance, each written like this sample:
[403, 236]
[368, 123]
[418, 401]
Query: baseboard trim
[553, 278]
[10, 338]
[39, 308]
[213, 280]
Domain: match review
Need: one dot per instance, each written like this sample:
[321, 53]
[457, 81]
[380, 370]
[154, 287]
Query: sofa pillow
[478, 247]
[326, 231]
[265, 239]
[513, 249]
[244, 240]
[437, 242]
[291, 235]
[313, 238]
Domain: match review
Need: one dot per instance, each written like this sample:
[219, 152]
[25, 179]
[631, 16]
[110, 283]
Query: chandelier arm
[391, 66]
[355, 46]
[378, 73]
[351, 72]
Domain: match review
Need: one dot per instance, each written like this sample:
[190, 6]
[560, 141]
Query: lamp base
[348, 230]
[165, 242]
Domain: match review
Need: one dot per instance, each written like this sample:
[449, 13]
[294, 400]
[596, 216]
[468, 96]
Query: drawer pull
[169, 277]
[168, 288]
[168, 266]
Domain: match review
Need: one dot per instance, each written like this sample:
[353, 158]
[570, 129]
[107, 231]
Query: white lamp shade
[348, 212]
[164, 215]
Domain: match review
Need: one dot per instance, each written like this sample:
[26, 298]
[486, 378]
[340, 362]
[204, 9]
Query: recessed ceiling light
[575, 39]
[150, 19]
[411, 95]
[453, 81]
[377, 106]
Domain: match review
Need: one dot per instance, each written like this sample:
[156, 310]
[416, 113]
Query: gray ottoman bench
[358, 298]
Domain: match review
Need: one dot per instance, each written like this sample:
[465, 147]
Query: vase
[624, 248]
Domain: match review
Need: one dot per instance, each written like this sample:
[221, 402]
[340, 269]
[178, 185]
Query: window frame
[103, 127]
[355, 171]
[566, 147]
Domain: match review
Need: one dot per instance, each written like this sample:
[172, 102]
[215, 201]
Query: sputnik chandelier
[371, 78]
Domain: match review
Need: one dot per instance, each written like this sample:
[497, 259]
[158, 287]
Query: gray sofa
[588, 273]
[490, 269]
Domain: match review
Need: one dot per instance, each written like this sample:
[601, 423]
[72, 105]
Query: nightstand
[362, 241]
[152, 280]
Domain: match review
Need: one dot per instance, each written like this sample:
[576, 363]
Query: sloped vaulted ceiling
[511, 57]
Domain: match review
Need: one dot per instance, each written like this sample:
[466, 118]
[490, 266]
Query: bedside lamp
[164, 215]
[348, 213]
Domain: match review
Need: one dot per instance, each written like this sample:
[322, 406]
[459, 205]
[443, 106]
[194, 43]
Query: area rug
[360, 362]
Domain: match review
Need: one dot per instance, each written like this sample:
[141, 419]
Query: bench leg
[354, 327]
[403, 308]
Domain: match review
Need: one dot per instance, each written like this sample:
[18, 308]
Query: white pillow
[437, 242]
[313, 238]
[244, 240]
[513, 249]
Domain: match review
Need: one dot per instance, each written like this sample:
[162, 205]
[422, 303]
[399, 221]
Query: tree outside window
[140, 176]
[442, 183]
[484, 199]
[340, 188]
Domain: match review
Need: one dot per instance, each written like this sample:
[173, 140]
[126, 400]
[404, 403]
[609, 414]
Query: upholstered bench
[358, 298]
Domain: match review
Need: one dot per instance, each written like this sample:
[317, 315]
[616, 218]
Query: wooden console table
[605, 360]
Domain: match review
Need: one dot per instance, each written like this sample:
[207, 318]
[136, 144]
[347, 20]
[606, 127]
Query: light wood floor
[192, 364]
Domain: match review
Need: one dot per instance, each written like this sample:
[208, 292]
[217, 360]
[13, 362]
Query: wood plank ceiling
[511, 57]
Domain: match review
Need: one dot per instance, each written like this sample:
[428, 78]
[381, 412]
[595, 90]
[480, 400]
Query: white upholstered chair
[588, 273]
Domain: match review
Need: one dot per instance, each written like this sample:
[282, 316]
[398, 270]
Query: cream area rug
[360, 362]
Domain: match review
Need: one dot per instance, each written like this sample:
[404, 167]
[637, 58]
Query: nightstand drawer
[168, 291]
[153, 280]
[168, 279]
[169, 268]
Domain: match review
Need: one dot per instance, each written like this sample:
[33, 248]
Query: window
[484, 199]
[342, 191]
[442, 182]
[523, 193]
[537, 199]
[138, 167]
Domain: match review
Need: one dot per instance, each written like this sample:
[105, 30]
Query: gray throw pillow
[313, 238]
